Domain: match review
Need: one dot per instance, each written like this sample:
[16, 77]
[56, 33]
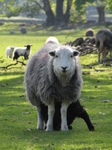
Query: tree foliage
[57, 11]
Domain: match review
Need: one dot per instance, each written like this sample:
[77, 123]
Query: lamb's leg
[40, 121]
[84, 115]
[51, 111]
[64, 107]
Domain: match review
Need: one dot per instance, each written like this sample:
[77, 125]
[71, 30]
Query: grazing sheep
[74, 110]
[12, 32]
[89, 32]
[103, 41]
[22, 51]
[52, 40]
[23, 30]
[53, 74]
[9, 51]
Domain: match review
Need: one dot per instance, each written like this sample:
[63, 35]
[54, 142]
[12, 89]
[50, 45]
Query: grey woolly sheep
[12, 32]
[89, 32]
[53, 74]
[23, 30]
[103, 41]
[22, 51]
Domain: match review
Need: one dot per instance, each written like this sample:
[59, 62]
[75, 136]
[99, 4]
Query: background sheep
[12, 32]
[74, 110]
[9, 51]
[23, 30]
[53, 74]
[22, 51]
[52, 40]
[103, 41]
[89, 32]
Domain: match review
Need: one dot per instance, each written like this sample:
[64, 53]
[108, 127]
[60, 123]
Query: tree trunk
[59, 12]
[67, 13]
[101, 13]
[50, 16]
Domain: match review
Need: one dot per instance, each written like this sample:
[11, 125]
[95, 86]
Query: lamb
[53, 74]
[103, 41]
[74, 110]
[22, 51]
[9, 51]
[52, 39]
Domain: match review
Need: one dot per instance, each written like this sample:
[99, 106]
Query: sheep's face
[64, 63]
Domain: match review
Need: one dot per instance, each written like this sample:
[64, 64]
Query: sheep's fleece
[53, 74]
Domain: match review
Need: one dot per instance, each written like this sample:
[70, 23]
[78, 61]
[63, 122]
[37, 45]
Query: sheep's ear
[52, 53]
[76, 53]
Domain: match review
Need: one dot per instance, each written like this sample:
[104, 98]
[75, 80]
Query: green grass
[18, 119]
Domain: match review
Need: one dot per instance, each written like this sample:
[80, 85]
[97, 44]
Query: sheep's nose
[64, 69]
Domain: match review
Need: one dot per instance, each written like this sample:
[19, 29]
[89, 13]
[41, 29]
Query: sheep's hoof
[91, 128]
[49, 128]
[64, 128]
[40, 127]
[70, 127]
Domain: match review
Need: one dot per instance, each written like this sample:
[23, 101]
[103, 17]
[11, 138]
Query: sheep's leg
[104, 54]
[98, 56]
[40, 121]
[51, 111]
[110, 53]
[64, 107]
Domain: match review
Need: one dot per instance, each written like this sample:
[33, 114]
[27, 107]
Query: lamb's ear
[76, 53]
[52, 53]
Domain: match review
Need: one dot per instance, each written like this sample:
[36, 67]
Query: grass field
[18, 119]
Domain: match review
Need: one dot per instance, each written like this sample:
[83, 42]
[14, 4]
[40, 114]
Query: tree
[100, 6]
[57, 16]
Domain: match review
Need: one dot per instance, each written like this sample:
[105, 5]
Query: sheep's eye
[56, 56]
[71, 56]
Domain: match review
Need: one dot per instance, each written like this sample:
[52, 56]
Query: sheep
[23, 30]
[9, 51]
[74, 110]
[89, 32]
[53, 74]
[22, 51]
[12, 32]
[103, 42]
[52, 39]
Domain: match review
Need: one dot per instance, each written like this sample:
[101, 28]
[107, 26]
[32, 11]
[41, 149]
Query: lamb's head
[28, 46]
[12, 48]
[64, 63]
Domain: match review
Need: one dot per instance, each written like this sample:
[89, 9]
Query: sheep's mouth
[64, 71]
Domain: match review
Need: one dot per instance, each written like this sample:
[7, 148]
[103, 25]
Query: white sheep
[22, 51]
[52, 39]
[53, 74]
[9, 51]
